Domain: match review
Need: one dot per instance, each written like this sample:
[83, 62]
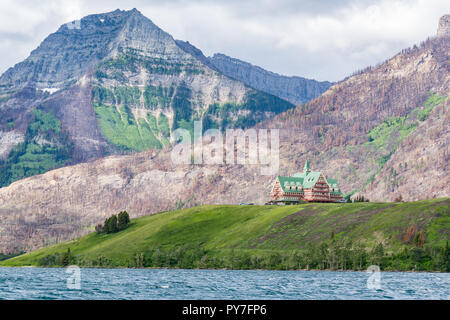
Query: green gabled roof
[334, 184]
[306, 181]
[332, 181]
[291, 181]
[311, 179]
[299, 174]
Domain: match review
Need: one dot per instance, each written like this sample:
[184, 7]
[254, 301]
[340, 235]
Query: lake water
[51, 283]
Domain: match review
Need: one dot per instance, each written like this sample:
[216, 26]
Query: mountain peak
[99, 21]
[444, 26]
[78, 46]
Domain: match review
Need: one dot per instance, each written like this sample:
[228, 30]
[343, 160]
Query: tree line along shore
[409, 236]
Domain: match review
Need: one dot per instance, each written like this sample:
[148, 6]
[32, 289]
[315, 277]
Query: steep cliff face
[297, 90]
[444, 26]
[115, 83]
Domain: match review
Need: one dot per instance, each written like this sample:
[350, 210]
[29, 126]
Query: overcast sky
[323, 40]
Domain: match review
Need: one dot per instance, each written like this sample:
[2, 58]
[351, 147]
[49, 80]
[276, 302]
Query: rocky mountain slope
[297, 90]
[383, 133]
[67, 202]
[109, 84]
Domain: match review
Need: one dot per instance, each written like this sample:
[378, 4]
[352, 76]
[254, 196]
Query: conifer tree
[123, 220]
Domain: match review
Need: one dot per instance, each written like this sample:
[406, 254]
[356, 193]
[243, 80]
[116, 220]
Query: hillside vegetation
[44, 148]
[396, 236]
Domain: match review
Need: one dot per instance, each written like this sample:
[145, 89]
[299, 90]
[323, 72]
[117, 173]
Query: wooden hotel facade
[310, 186]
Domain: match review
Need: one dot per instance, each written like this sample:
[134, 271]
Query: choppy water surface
[51, 283]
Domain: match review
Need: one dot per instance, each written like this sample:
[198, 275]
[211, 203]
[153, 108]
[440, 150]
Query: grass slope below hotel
[397, 236]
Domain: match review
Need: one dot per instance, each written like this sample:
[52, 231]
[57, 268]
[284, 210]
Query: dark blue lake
[51, 283]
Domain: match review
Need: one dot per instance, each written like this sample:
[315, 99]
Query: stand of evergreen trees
[360, 199]
[63, 259]
[4, 256]
[115, 223]
[339, 254]
[335, 255]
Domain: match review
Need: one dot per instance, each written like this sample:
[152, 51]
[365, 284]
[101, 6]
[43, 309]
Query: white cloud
[325, 40]
[24, 24]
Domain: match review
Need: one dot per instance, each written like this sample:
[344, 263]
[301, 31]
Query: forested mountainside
[110, 84]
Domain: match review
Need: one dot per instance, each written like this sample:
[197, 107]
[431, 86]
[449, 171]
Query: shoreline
[221, 269]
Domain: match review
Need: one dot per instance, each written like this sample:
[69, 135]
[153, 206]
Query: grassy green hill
[397, 236]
